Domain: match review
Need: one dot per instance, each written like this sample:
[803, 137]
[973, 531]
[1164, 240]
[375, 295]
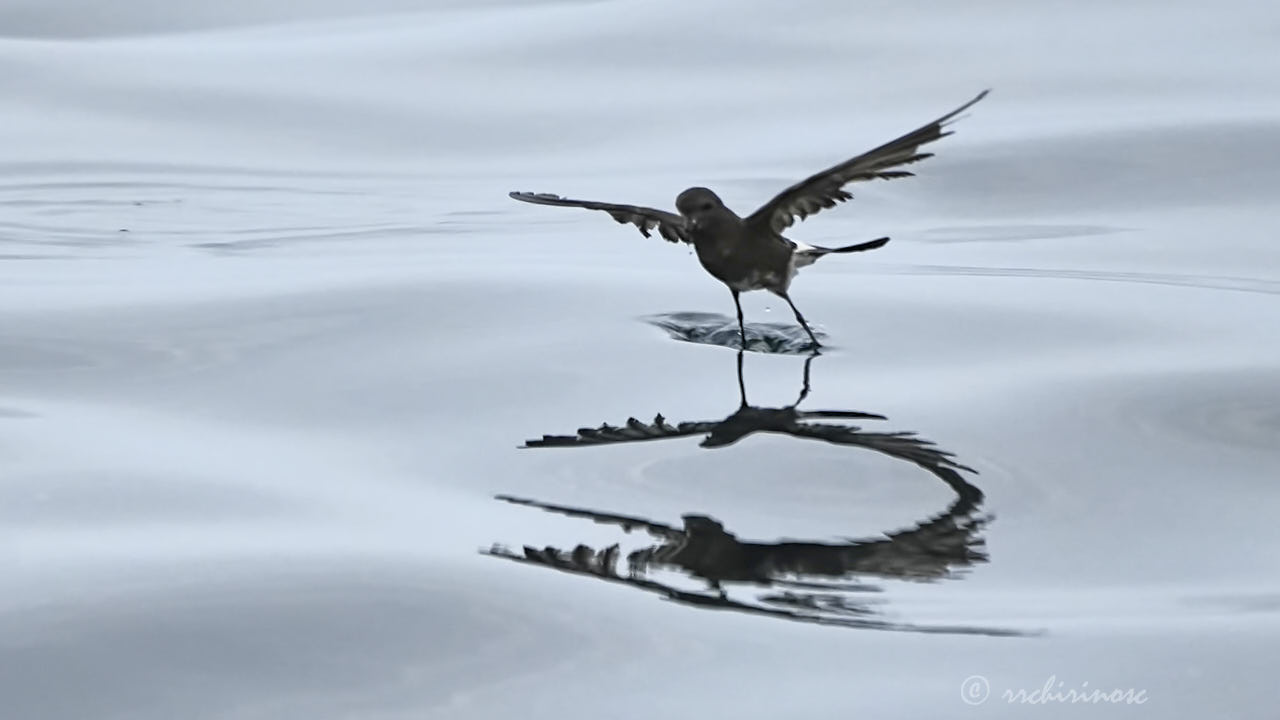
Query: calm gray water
[272, 339]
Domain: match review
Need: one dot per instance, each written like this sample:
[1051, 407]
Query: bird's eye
[706, 206]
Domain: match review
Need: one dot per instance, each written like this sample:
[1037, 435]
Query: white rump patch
[804, 256]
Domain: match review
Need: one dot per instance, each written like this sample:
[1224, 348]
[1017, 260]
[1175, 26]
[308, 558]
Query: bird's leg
[742, 328]
[800, 318]
[742, 386]
[804, 389]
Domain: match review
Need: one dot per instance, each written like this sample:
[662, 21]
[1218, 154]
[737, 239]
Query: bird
[750, 253]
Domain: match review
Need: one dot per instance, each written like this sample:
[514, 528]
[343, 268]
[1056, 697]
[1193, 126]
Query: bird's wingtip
[957, 114]
[976, 99]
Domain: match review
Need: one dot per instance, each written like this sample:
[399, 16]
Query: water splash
[722, 330]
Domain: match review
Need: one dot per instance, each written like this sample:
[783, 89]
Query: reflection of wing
[750, 419]
[932, 549]
[669, 225]
[845, 612]
[825, 189]
[626, 522]
[902, 445]
[937, 548]
[632, 431]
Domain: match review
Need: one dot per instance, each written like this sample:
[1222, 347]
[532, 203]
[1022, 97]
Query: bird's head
[700, 207]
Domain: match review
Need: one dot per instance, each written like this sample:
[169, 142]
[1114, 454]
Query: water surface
[272, 337]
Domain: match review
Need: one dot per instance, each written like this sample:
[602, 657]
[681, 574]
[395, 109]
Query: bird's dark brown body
[739, 259]
[750, 253]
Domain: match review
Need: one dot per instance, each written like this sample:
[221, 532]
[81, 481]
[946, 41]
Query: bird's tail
[869, 245]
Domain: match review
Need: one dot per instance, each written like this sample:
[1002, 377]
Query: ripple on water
[1015, 233]
[121, 349]
[102, 499]
[27, 355]
[1233, 409]
[1208, 282]
[66, 210]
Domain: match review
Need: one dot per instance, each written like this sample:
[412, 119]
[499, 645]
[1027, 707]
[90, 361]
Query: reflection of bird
[815, 581]
[789, 420]
[750, 253]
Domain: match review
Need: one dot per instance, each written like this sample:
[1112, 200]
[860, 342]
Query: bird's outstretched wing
[669, 225]
[825, 189]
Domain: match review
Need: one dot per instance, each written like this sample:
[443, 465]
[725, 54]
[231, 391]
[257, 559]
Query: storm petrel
[750, 253]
